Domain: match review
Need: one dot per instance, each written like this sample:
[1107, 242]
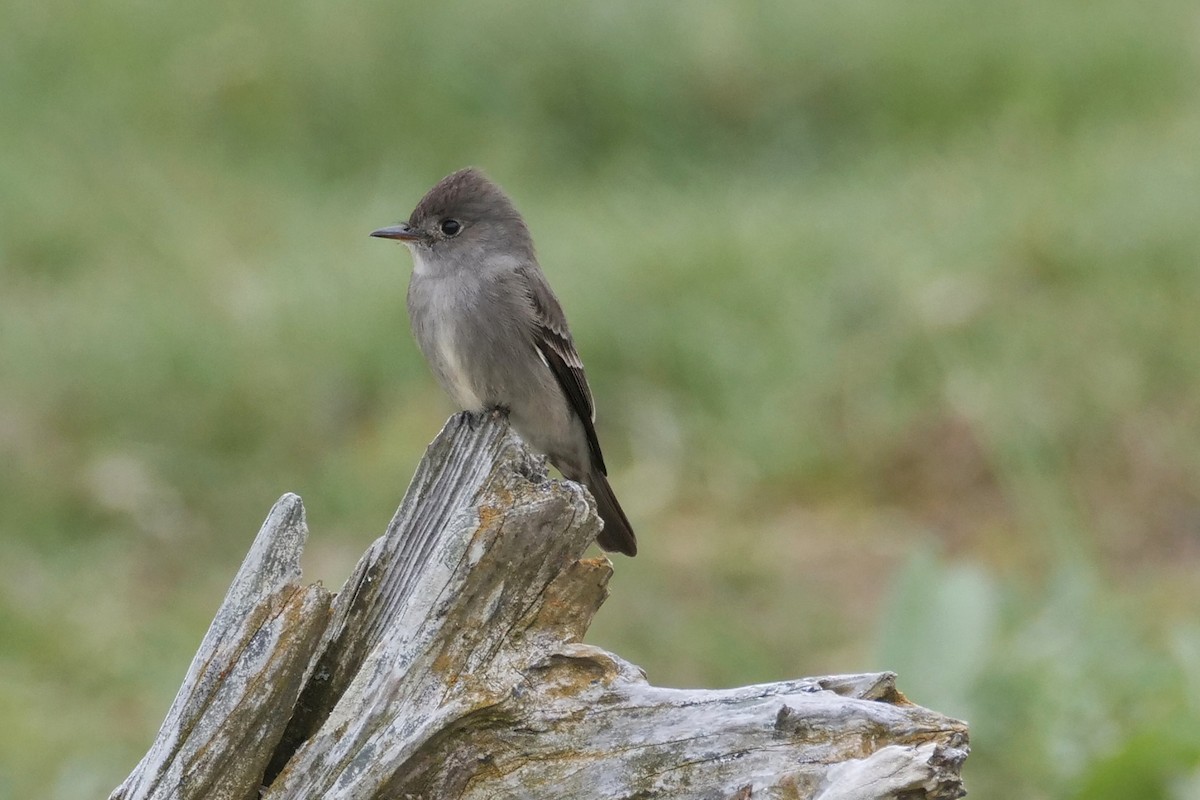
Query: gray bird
[495, 335]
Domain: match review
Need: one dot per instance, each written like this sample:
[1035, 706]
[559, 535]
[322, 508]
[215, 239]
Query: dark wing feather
[553, 340]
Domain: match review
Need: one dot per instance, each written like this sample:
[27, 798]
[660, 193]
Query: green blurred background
[891, 311]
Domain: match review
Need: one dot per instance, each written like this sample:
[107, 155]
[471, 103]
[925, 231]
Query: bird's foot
[476, 419]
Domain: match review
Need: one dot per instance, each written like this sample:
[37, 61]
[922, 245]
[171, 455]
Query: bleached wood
[237, 696]
[450, 666]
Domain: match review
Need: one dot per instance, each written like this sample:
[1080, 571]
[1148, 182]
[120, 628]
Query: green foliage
[852, 281]
[1066, 683]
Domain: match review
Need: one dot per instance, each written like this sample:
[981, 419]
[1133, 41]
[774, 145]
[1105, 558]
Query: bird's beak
[401, 232]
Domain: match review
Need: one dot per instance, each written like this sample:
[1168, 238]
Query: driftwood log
[450, 666]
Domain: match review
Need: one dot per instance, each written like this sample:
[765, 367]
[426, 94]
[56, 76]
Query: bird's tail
[617, 534]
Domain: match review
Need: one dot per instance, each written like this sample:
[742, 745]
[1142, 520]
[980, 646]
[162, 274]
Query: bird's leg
[499, 412]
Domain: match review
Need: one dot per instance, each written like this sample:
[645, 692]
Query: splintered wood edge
[246, 672]
[590, 726]
[585, 724]
[452, 489]
[459, 451]
[470, 616]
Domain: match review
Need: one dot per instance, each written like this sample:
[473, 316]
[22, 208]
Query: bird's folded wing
[553, 341]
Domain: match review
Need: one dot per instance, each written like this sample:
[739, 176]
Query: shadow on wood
[450, 666]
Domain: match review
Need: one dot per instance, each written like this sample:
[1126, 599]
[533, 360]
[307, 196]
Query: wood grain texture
[228, 716]
[451, 665]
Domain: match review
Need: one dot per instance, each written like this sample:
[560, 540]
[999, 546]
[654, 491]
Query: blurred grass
[870, 295]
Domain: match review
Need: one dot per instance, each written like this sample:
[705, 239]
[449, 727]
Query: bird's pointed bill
[401, 232]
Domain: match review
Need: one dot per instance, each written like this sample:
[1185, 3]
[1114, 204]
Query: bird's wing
[553, 341]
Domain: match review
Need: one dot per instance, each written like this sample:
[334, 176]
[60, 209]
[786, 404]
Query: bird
[495, 335]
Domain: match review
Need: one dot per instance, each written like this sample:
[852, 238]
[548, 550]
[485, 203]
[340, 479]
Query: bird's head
[465, 221]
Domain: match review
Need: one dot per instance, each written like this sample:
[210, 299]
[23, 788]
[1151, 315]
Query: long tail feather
[617, 534]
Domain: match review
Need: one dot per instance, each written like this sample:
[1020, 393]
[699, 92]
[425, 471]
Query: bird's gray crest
[468, 196]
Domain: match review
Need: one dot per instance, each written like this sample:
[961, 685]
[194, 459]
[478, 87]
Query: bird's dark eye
[450, 227]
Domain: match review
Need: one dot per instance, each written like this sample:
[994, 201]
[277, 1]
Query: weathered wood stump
[450, 666]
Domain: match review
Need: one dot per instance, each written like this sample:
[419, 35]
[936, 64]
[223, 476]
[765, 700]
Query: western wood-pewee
[495, 335]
